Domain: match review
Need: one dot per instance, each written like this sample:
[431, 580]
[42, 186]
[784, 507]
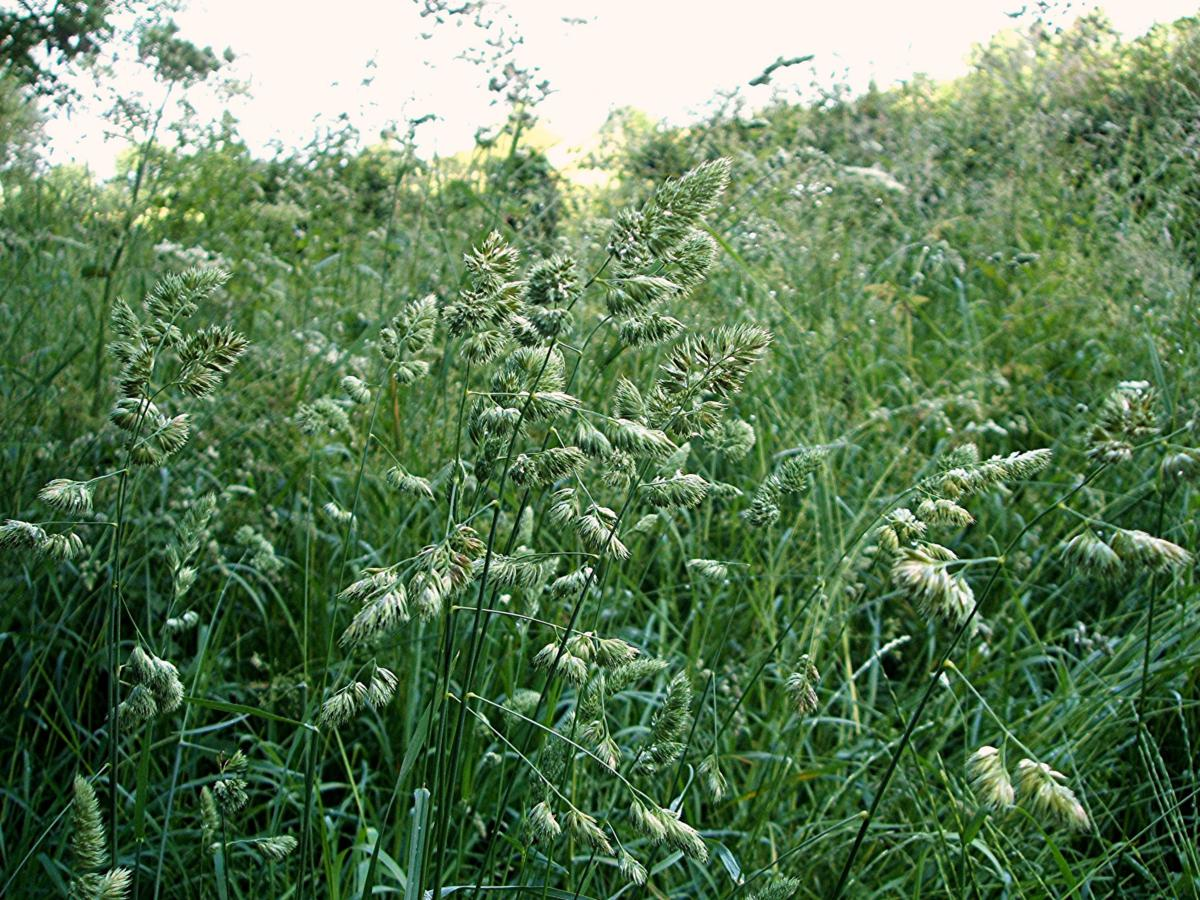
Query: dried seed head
[74, 497]
[1087, 551]
[542, 824]
[802, 685]
[631, 870]
[1044, 791]
[989, 778]
[584, 829]
[1155, 554]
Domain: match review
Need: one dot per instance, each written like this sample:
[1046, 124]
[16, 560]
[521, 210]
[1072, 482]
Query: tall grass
[810, 512]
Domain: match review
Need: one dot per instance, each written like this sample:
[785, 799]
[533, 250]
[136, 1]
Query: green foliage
[41, 36]
[175, 59]
[19, 122]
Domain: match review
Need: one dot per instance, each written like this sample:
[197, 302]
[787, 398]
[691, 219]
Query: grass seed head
[1045, 792]
[87, 833]
[629, 867]
[1152, 553]
[584, 829]
[802, 685]
[74, 497]
[1090, 553]
[922, 573]
[542, 824]
[989, 778]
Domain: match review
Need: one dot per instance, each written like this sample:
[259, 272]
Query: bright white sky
[305, 61]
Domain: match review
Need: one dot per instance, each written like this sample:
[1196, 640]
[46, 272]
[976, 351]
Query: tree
[41, 36]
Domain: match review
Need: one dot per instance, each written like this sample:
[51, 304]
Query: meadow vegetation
[808, 511]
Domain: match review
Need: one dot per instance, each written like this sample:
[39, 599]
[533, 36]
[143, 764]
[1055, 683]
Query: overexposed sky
[307, 61]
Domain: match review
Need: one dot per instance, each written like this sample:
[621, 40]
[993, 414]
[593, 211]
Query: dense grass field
[808, 512]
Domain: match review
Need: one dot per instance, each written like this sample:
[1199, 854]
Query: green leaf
[243, 710]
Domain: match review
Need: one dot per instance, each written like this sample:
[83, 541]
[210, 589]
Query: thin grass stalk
[310, 762]
[443, 817]
[202, 658]
[479, 625]
[1141, 699]
[116, 560]
[576, 609]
